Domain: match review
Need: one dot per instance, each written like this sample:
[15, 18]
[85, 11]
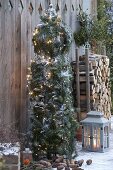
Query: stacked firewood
[99, 73]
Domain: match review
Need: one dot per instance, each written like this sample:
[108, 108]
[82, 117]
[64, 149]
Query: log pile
[100, 96]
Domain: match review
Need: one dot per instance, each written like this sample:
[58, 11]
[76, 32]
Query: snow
[100, 161]
[9, 149]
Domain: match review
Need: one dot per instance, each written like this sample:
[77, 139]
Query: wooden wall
[18, 18]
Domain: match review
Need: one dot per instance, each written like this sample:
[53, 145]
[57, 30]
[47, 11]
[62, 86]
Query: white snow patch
[9, 149]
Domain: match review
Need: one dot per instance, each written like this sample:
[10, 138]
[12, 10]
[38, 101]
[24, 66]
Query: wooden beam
[77, 85]
[87, 78]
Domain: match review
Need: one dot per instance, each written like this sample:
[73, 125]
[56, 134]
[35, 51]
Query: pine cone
[60, 167]
[89, 161]
[80, 162]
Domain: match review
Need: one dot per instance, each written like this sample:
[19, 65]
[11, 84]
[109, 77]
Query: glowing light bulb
[49, 58]
[35, 43]
[32, 61]
[49, 75]
[41, 86]
[36, 31]
[30, 93]
[28, 76]
[49, 42]
[49, 17]
[61, 33]
[43, 57]
[29, 68]
[28, 82]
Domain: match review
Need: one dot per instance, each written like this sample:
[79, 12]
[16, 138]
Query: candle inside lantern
[94, 143]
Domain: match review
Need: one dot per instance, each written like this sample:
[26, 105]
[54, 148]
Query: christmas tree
[50, 89]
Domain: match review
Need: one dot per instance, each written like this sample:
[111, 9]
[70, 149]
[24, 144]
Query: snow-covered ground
[100, 161]
[9, 149]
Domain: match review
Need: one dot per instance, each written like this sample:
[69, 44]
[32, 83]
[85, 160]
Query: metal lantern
[95, 132]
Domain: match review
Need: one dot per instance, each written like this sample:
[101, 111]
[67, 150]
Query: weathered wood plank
[24, 60]
[2, 34]
[37, 15]
[10, 57]
[17, 63]
[77, 84]
[5, 70]
[87, 79]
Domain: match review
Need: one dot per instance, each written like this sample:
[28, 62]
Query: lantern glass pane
[86, 131]
[105, 136]
[96, 137]
[87, 137]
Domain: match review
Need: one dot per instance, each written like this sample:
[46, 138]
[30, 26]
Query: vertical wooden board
[29, 29]
[2, 34]
[77, 4]
[33, 24]
[10, 109]
[28, 43]
[73, 9]
[67, 12]
[37, 15]
[12, 67]
[81, 3]
[17, 62]
[71, 23]
[78, 85]
[1, 116]
[32, 18]
[63, 11]
[46, 4]
[54, 2]
[24, 49]
[73, 18]
[87, 79]
[60, 7]
[10, 62]
[6, 56]
[43, 6]
[6, 70]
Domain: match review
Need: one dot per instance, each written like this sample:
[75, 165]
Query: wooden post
[87, 77]
[77, 85]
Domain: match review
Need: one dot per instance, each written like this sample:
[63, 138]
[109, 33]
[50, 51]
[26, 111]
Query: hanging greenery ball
[81, 37]
[51, 37]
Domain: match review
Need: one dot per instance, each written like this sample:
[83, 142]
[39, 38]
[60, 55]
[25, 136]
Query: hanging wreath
[82, 35]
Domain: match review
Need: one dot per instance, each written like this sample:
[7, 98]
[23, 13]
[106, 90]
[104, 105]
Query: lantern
[95, 132]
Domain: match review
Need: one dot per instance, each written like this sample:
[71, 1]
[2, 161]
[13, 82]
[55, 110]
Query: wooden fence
[18, 18]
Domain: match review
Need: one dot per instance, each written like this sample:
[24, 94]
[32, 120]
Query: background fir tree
[50, 89]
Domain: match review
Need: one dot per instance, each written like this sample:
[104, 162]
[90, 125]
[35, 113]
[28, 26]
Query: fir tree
[50, 89]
